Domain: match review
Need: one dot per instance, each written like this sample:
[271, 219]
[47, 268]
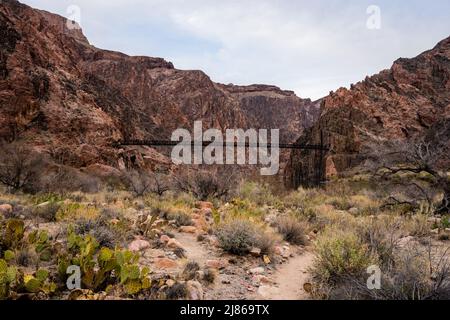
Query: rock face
[269, 107]
[399, 103]
[73, 101]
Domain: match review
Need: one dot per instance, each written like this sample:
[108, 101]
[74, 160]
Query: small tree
[420, 156]
[142, 183]
[19, 167]
[206, 184]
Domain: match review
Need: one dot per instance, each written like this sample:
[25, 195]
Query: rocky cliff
[396, 104]
[73, 101]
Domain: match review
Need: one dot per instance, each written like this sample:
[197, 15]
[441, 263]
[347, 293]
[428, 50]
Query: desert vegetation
[157, 237]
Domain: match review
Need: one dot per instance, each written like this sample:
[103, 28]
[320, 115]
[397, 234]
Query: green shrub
[381, 237]
[341, 254]
[47, 212]
[75, 211]
[260, 194]
[292, 230]
[239, 236]
[341, 203]
[414, 275]
[181, 218]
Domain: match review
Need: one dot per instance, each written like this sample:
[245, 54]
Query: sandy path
[194, 249]
[289, 280]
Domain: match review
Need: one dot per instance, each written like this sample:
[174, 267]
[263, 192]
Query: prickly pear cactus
[42, 244]
[8, 276]
[13, 232]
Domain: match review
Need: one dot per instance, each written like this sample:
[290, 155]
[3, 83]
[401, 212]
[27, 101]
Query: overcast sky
[311, 47]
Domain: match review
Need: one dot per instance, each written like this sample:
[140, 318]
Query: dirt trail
[289, 280]
[194, 249]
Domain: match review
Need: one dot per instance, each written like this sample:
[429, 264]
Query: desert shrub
[304, 198]
[209, 275]
[292, 229]
[206, 185]
[19, 168]
[47, 212]
[444, 237]
[190, 270]
[100, 230]
[181, 218]
[341, 254]
[238, 236]
[76, 211]
[110, 213]
[177, 291]
[365, 205]
[381, 236]
[415, 275]
[341, 203]
[418, 225]
[141, 183]
[67, 179]
[46, 197]
[326, 215]
[264, 241]
[445, 222]
[242, 209]
[180, 253]
[258, 193]
[25, 257]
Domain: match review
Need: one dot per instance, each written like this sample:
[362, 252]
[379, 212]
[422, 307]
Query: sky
[310, 47]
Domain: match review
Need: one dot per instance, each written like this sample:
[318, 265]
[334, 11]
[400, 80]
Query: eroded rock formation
[73, 101]
[396, 104]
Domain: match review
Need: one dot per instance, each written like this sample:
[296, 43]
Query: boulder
[207, 212]
[217, 264]
[258, 270]
[194, 290]
[6, 209]
[204, 205]
[170, 283]
[256, 252]
[259, 279]
[165, 263]
[188, 229]
[213, 241]
[138, 245]
[403, 242]
[174, 244]
[164, 238]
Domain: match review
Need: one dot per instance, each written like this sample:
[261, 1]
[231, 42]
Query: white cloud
[310, 47]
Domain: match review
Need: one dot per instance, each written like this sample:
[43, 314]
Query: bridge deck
[167, 143]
